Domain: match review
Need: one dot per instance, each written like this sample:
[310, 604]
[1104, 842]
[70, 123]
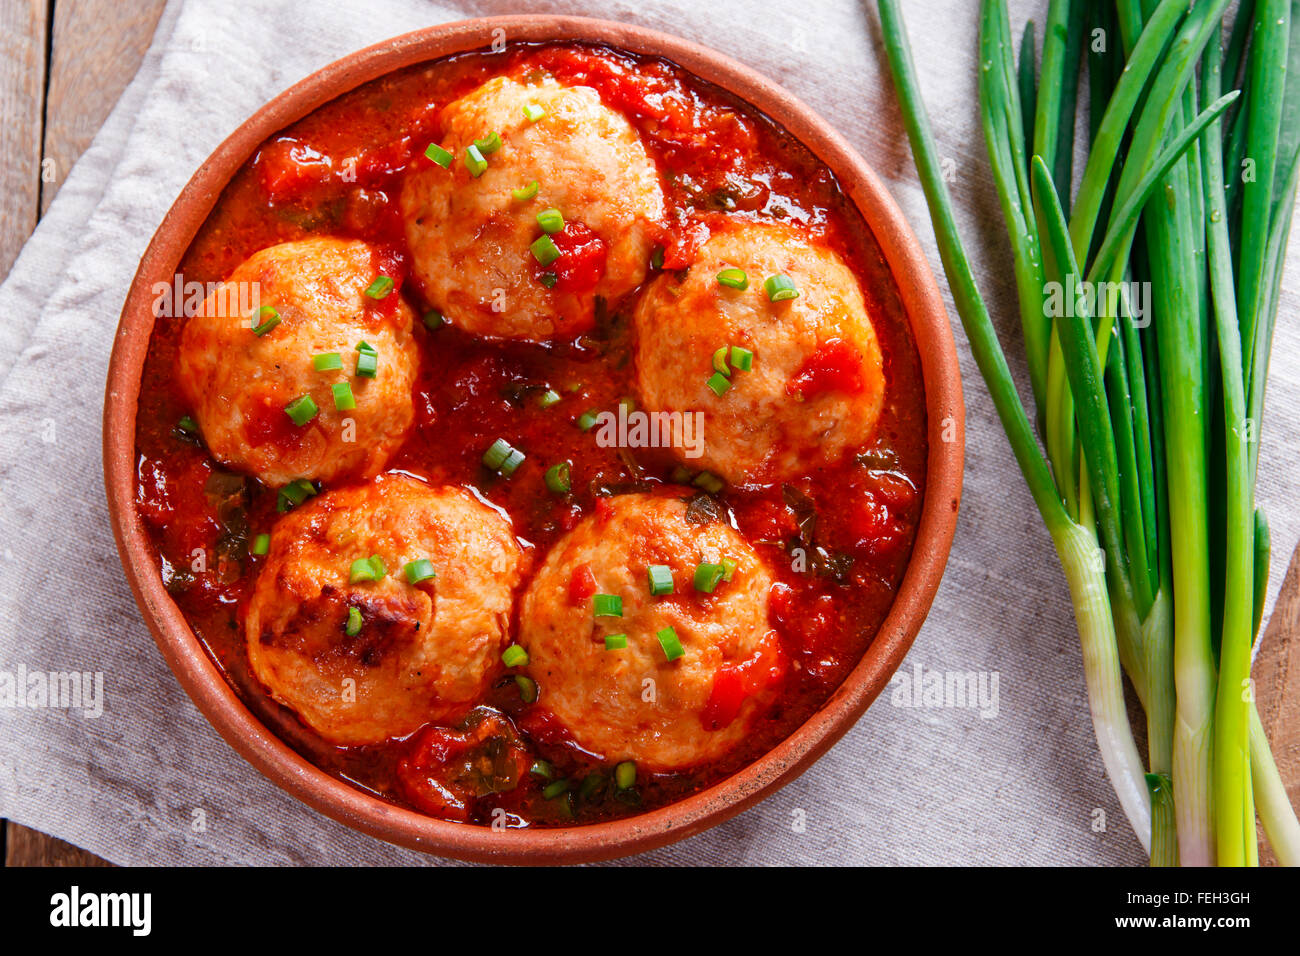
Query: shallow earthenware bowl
[219, 702]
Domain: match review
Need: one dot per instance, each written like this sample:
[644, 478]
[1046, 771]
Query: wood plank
[97, 49]
[23, 34]
[1277, 688]
[26, 847]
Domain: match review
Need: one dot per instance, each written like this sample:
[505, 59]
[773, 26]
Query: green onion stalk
[1148, 418]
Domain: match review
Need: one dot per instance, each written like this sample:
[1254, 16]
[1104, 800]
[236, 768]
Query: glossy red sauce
[838, 541]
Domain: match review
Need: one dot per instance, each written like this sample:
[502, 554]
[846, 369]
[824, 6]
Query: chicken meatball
[471, 237]
[816, 384]
[348, 628]
[674, 679]
[312, 312]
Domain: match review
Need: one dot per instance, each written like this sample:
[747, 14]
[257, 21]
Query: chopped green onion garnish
[496, 454]
[779, 288]
[670, 643]
[301, 410]
[548, 398]
[433, 320]
[380, 288]
[548, 279]
[327, 362]
[364, 346]
[367, 362]
[657, 257]
[741, 358]
[367, 569]
[733, 278]
[718, 383]
[527, 688]
[707, 576]
[437, 154]
[543, 769]
[592, 784]
[267, 319]
[489, 143]
[720, 362]
[501, 457]
[354, 622]
[557, 478]
[555, 788]
[550, 220]
[587, 420]
[293, 494]
[728, 569]
[545, 250]
[607, 605]
[625, 774]
[680, 475]
[344, 400]
[514, 656]
[615, 642]
[525, 193]
[661, 579]
[419, 570]
[188, 425]
[474, 161]
[261, 544]
[533, 112]
[627, 403]
[709, 482]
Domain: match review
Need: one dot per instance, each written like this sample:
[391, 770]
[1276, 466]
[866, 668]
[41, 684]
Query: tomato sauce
[838, 541]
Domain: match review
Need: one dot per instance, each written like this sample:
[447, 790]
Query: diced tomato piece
[733, 684]
[582, 585]
[288, 167]
[581, 265]
[447, 770]
[836, 366]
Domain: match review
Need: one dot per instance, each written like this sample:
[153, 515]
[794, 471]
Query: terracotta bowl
[219, 702]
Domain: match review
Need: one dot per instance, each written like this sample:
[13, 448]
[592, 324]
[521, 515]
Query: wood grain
[97, 48]
[23, 25]
[26, 847]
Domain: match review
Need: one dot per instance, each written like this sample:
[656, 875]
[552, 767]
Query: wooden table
[63, 64]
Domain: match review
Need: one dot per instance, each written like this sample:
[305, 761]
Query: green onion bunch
[1148, 406]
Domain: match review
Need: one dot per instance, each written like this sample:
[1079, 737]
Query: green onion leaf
[720, 362]
[267, 319]
[301, 410]
[718, 383]
[625, 775]
[344, 400]
[261, 544]
[525, 193]
[354, 622]
[367, 361]
[327, 362]
[742, 358]
[437, 154]
[188, 425]
[555, 788]
[779, 288]
[527, 688]
[475, 162]
[514, 656]
[548, 279]
[543, 769]
[707, 576]
[489, 143]
[548, 398]
[734, 279]
[367, 569]
[433, 320]
[533, 112]
[728, 569]
[661, 579]
[615, 642]
[709, 482]
[606, 605]
[557, 478]
[671, 643]
[497, 454]
[293, 494]
[544, 250]
[587, 420]
[380, 288]
[657, 258]
[550, 220]
[418, 570]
